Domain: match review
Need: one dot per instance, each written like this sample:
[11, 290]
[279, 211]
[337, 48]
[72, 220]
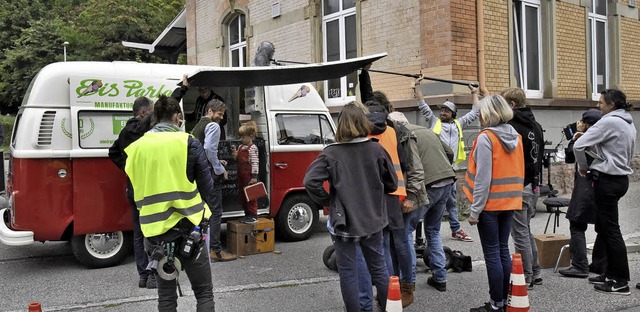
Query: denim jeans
[397, 254]
[348, 269]
[216, 216]
[365, 292]
[438, 198]
[142, 260]
[494, 228]
[411, 220]
[199, 273]
[523, 240]
[452, 209]
[608, 190]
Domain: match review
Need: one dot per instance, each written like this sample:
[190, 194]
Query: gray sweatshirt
[611, 142]
[450, 133]
[483, 155]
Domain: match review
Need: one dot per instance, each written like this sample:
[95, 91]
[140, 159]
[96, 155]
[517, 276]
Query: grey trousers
[523, 240]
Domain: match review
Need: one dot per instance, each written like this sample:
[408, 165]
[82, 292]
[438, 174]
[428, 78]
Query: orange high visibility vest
[389, 141]
[507, 176]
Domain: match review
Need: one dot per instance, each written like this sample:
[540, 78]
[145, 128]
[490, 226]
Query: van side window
[90, 121]
[295, 129]
[15, 127]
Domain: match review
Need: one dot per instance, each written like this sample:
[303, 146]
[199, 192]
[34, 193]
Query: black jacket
[532, 143]
[354, 211]
[198, 169]
[582, 207]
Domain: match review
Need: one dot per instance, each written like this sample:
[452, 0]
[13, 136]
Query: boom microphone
[264, 54]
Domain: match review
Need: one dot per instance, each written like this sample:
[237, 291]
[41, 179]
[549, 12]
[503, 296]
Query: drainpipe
[482, 79]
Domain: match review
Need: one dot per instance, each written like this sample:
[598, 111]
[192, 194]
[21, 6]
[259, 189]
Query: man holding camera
[533, 142]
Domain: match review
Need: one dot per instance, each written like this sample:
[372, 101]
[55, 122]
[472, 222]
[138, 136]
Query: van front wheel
[296, 218]
[100, 250]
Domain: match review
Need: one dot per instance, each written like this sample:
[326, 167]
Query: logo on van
[302, 92]
[84, 134]
[129, 88]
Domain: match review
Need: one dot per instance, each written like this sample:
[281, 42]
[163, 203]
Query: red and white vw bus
[63, 187]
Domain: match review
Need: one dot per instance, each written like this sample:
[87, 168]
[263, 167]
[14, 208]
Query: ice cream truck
[63, 187]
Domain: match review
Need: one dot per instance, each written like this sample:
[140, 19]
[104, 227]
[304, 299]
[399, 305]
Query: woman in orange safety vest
[493, 185]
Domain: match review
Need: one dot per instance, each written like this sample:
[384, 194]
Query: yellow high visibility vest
[157, 167]
[505, 192]
[389, 142]
[462, 156]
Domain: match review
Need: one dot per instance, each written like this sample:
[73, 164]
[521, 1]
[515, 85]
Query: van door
[298, 139]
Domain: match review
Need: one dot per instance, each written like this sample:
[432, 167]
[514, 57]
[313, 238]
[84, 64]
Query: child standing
[246, 156]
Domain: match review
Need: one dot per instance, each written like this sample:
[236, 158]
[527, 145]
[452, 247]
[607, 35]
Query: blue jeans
[348, 269]
[494, 228]
[365, 292]
[397, 254]
[411, 220]
[523, 240]
[452, 208]
[438, 199]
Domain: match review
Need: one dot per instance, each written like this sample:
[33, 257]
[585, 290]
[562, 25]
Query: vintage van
[63, 187]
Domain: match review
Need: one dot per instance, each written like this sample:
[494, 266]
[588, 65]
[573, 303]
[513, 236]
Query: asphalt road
[293, 280]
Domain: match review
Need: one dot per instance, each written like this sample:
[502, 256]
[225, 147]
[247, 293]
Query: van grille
[46, 128]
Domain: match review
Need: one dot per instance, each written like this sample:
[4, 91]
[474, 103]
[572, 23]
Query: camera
[569, 130]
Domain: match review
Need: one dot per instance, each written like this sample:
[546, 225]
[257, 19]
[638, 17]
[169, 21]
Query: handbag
[255, 191]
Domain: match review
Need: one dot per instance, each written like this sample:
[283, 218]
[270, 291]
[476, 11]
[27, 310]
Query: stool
[553, 205]
[555, 270]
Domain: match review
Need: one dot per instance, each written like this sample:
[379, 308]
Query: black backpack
[460, 262]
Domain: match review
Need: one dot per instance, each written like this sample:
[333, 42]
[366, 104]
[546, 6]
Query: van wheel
[100, 250]
[296, 218]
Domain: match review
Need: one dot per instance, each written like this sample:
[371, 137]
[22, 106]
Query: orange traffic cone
[394, 299]
[35, 307]
[518, 299]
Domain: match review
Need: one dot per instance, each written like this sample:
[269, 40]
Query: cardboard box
[549, 246]
[247, 239]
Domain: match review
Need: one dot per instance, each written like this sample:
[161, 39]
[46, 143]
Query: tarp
[277, 75]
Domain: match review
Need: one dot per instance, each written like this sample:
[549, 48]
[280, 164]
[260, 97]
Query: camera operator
[582, 209]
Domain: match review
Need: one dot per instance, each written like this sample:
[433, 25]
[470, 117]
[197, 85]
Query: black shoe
[638, 285]
[437, 285]
[151, 282]
[486, 308]
[249, 220]
[612, 287]
[142, 282]
[598, 279]
[537, 281]
[573, 272]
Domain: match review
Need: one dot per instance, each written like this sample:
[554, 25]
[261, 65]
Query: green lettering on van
[118, 123]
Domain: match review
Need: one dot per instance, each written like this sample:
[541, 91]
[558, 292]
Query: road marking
[189, 293]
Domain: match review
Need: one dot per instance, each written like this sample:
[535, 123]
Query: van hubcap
[104, 245]
[299, 218]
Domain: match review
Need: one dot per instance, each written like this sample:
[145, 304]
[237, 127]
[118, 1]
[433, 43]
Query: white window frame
[241, 44]
[521, 52]
[595, 18]
[340, 15]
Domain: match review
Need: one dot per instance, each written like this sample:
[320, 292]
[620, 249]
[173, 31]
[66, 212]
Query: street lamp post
[64, 47]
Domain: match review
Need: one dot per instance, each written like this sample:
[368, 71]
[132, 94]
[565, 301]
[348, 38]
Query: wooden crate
[549, 246]
[246, 239]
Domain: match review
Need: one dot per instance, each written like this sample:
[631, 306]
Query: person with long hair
[360, 174]
[495, 192]
[611, 143]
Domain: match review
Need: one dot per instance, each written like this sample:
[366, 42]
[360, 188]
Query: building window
[527, 35]
[340, 43]
[237, 41]
[598, 28]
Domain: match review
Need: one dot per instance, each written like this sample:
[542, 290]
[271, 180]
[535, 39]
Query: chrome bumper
[10, 237]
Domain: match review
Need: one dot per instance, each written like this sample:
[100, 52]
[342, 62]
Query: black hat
[591, 116]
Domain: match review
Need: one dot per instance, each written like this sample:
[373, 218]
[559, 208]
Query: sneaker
[151, 282]
[461, 236]
[486, 308]
[612, 287]
[598, 279]
[249, 220]
[638, 285]
[440, 286]
[573, 272]
[142, 282]
[537, 281]
[221, 256]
